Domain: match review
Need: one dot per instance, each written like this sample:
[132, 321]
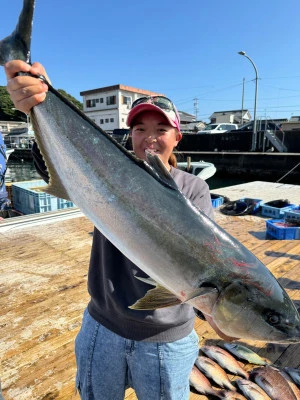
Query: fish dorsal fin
[159, 297]
[159, 167]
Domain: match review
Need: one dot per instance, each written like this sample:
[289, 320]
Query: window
[106, 120]
[111, 120]
[110, 100]
[97, 100]
[91, 103]
[101, 121]
[126, 100]
[101, 99]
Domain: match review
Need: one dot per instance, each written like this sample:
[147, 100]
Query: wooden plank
[43, 287]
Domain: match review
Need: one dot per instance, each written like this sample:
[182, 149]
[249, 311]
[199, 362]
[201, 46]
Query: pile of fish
[264, 381]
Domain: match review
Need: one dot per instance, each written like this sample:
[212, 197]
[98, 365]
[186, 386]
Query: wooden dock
[43, 285]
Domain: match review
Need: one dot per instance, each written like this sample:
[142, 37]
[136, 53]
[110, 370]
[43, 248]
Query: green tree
[71, 99]
[9, 113]
[7, 108]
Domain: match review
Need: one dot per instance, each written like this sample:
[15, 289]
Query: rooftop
[120, 87]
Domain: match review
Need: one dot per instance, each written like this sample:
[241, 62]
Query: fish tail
[17, 45]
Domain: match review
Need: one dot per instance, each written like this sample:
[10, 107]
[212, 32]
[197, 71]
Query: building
[109, 106]
[231, 116]
[295, 118]
[7, 126]
[20, 137]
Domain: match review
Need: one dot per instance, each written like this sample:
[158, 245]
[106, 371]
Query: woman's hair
[173, 160]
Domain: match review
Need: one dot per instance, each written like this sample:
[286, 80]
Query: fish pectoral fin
[204, 299]
[159, 297]
[222, 335]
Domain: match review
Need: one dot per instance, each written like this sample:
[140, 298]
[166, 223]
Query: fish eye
[273, 319]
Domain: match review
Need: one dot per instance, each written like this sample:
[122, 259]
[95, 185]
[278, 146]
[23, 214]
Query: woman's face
[152, 131]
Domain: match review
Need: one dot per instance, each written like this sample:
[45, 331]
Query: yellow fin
[159, 297]
[56, 190]
[50, 189]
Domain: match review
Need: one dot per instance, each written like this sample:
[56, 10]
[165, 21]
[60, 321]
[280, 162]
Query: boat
[8, 152]
[202, 169]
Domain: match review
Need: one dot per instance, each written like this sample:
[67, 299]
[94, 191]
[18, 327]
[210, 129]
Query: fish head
[249, 312]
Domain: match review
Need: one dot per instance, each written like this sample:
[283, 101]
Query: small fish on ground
[251, 390]
[244, 353]
[213, 371]
[294, 374]
[199, 382]
[291, 383]
[225, 360]
[273, 383]
[230, 395]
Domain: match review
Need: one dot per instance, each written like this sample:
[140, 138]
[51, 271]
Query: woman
[151, 351]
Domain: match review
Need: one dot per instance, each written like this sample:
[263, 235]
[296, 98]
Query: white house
[109, 106]
[6, 126]
[231, 116]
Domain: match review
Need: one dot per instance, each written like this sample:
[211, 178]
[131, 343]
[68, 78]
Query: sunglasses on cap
[160, 101]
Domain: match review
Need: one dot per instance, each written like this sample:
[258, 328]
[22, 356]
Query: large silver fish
[139, 208]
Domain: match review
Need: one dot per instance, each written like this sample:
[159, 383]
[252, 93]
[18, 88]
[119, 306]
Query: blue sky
[186, 50]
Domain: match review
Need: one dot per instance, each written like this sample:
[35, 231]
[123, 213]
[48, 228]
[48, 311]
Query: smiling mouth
[150, 150]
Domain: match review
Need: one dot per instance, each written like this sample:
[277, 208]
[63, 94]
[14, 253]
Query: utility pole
[196, 107]
[254, 138]
[243, 100]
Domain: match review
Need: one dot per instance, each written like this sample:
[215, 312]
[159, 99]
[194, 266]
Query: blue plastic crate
[216, 201]
[282, 232]
[255, 202]
[29, 200]
[275, 212]
[61, 204]
[292, 215]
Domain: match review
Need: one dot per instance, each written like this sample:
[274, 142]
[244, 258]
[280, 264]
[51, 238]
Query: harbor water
[19, 171]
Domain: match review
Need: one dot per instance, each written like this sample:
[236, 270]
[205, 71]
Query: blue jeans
[107, 364]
